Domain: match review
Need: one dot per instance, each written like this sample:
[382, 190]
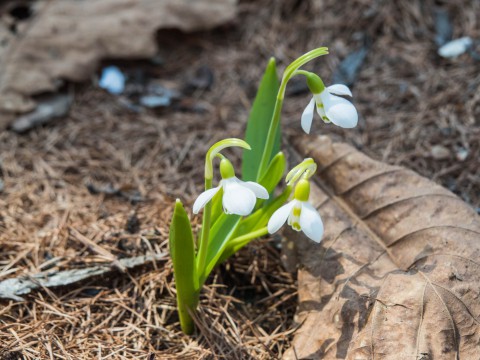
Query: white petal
[323, 98]
[237, 199]
[204, 198]
[321, 113]
[310, 222]
[279, 217]
[341, 112]
[307, 116]
[339, 89]
[259, 191]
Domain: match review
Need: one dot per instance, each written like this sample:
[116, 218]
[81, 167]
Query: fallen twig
[13, 288]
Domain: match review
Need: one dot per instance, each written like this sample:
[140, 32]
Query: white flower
[301, 216]
[239, 197]
[331, 108]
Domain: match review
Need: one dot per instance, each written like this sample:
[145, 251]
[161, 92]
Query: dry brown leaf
[397, 275]
[65, 39]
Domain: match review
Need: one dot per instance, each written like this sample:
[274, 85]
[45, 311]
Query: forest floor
[111, 174]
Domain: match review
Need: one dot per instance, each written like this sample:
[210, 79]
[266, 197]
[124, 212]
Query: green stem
[302, 72]
[247, 237]
[289, 72]
[213, 152]
[270, 136]
[203, 243]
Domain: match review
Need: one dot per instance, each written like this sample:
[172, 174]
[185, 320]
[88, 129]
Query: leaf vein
[446, 308]
[373, 177]
[413, 233]
[460, 301]
[410, 198]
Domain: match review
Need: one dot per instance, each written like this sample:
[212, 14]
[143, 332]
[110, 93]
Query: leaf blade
[220, 233]
[182, 251]
[274, 173]
[259, 122]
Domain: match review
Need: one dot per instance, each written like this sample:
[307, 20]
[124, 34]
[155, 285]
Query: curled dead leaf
[397, 275]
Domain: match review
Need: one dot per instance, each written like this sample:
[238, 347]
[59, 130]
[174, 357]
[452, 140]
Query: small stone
[462, 154]
[440, 152]
[455, 48]
[154, 101]
[49, 108]
[112, 80]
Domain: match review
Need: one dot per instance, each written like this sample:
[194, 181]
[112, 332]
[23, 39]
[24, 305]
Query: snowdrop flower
[299, 214]
[330, 107]
[239, 197]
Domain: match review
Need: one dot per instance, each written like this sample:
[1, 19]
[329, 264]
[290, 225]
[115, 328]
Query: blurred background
[108, 106]
[202, 63]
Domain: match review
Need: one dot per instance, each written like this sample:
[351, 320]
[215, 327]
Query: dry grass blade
[97, 248]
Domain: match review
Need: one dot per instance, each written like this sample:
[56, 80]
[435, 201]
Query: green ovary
[226, 169]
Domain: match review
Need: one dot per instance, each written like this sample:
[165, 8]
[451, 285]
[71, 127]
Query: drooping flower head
[329, 106]
[299, 214]
[239, 197]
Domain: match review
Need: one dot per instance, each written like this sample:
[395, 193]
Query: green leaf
[274, 173]
[259, 123]
[182, 251]
[220, 233]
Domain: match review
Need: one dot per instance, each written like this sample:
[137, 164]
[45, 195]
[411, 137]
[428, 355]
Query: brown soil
[410, 101]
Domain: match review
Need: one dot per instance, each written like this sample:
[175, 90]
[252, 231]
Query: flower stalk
[290, 71]
[213, 152]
